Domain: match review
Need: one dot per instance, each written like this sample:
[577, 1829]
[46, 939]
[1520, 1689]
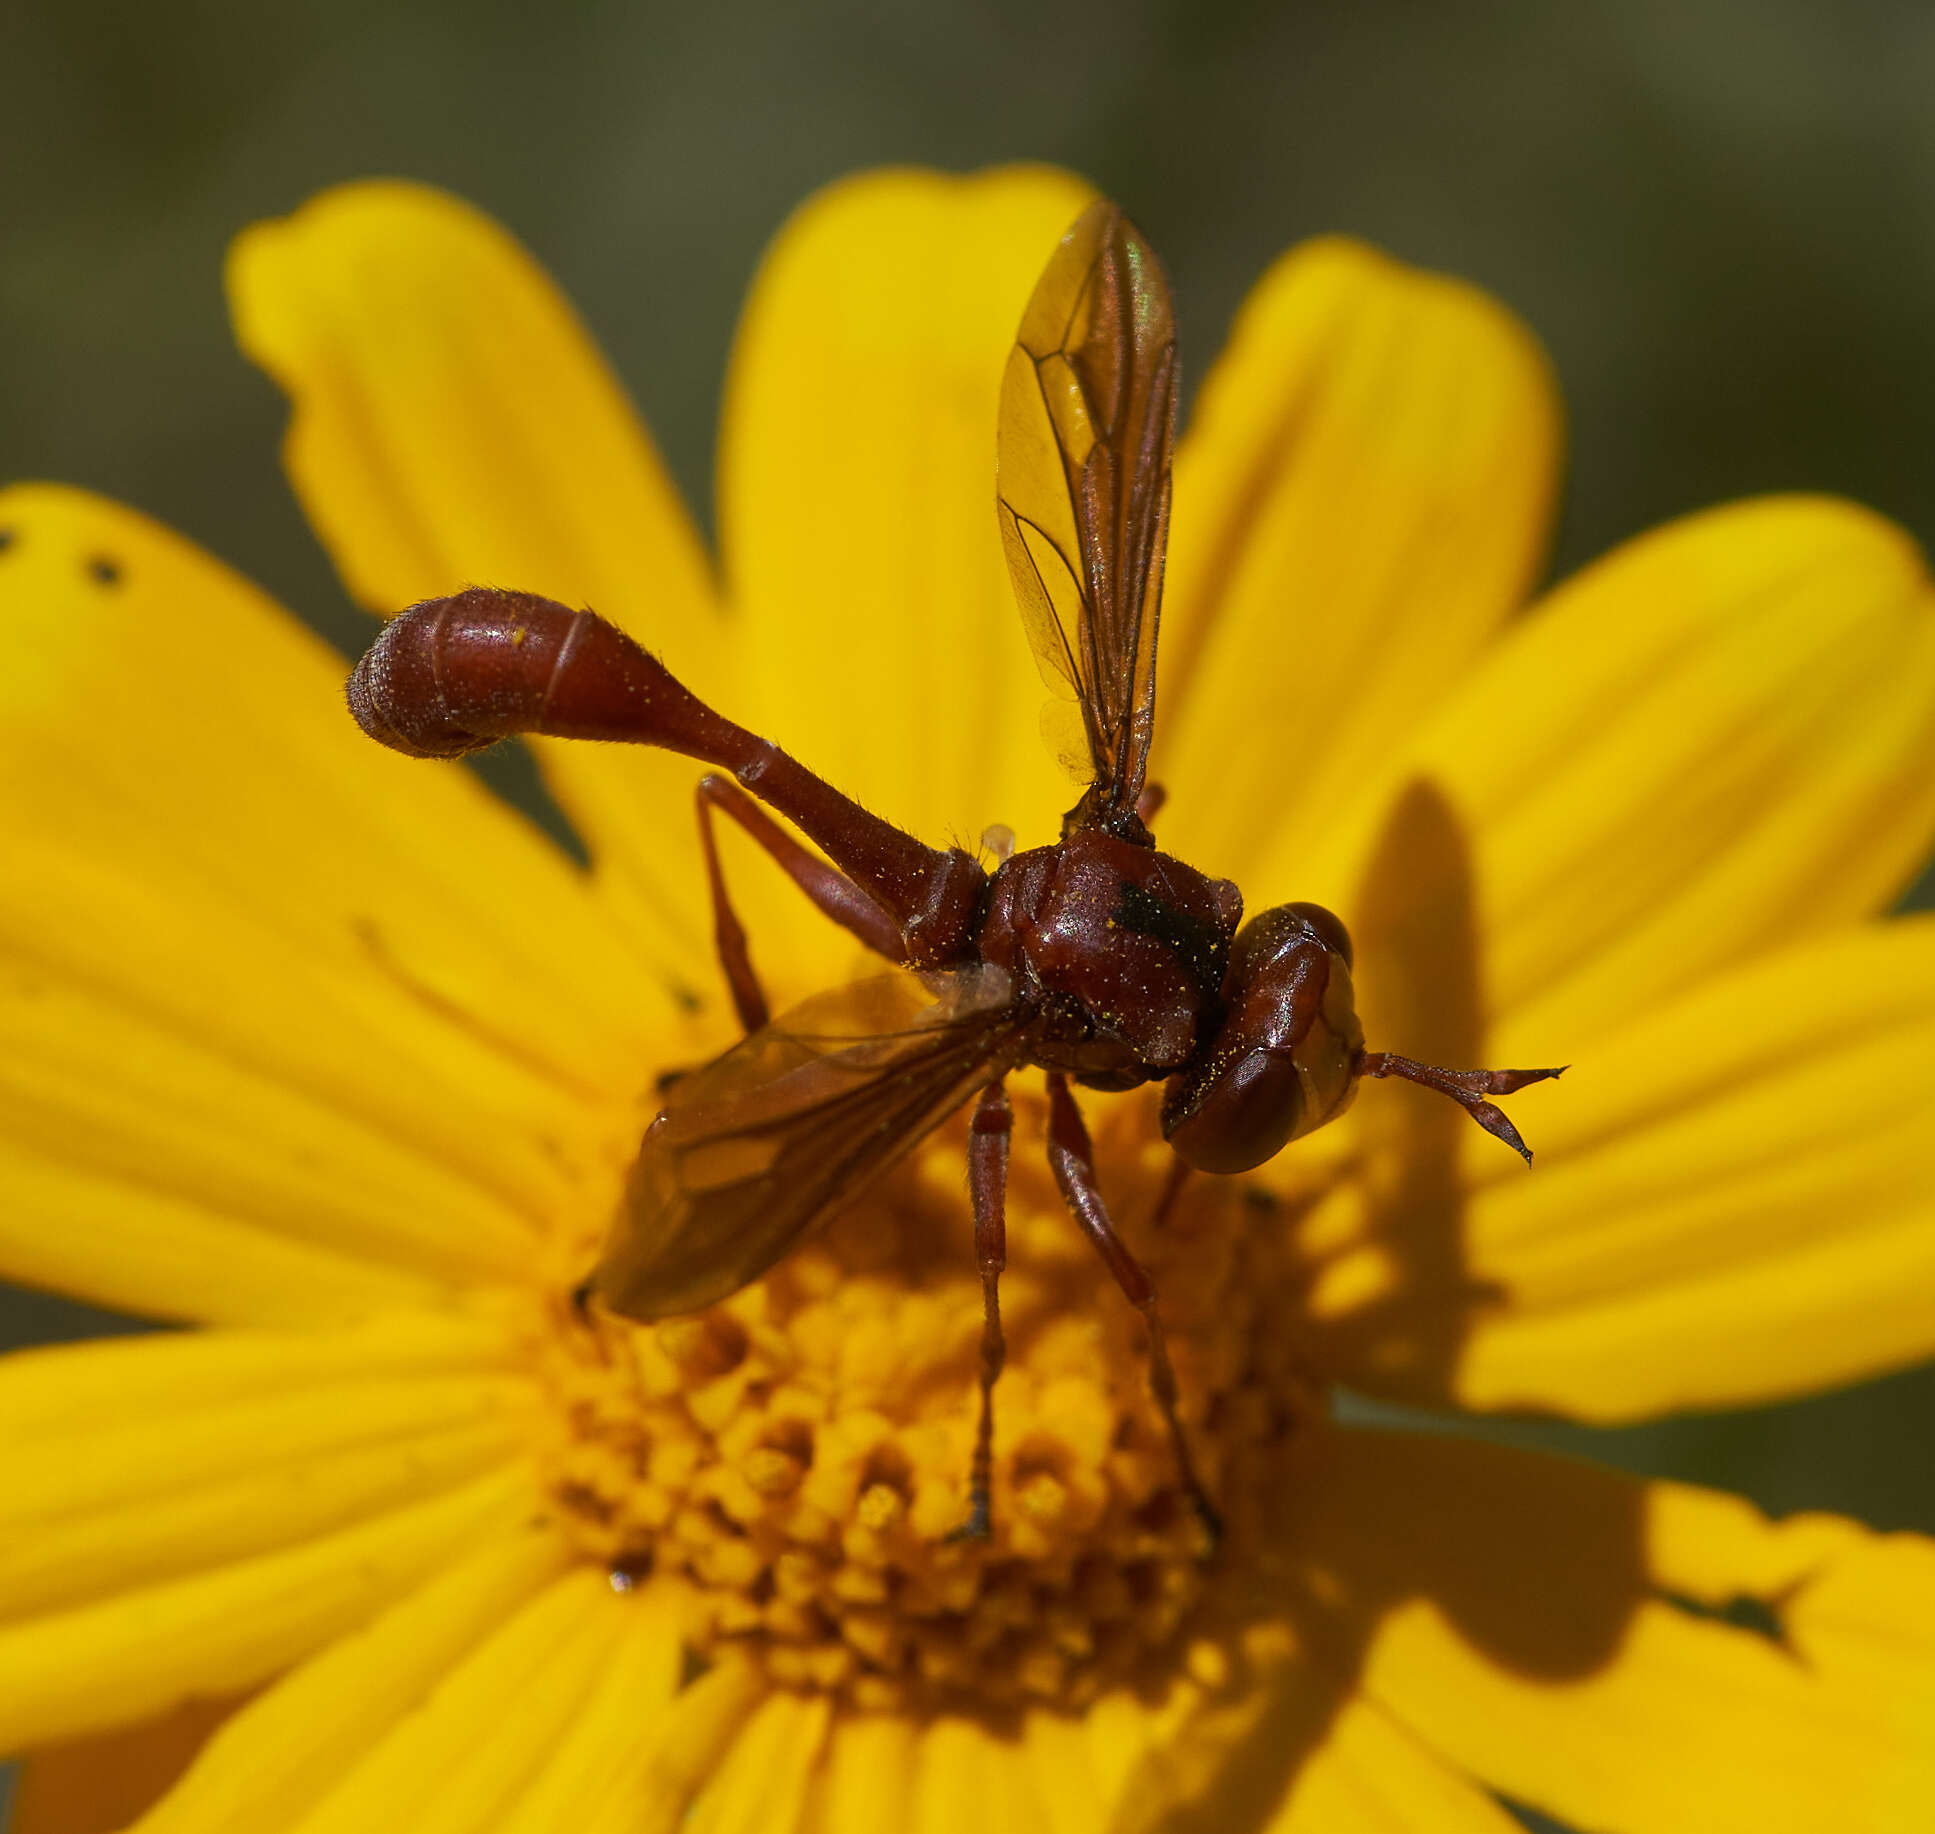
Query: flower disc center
[799, 1455]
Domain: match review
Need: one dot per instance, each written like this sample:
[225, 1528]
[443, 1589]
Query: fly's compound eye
[1285, 1059]
[1328, 928]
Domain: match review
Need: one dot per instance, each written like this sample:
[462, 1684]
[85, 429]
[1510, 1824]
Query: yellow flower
[327, 1052]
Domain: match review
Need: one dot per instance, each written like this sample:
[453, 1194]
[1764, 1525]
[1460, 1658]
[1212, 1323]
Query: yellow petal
[580, 1771]
[188, 721]
[1555, 1631]
[1242, 1721]
[278, 1755]
[863, 1781]
[96, 1085]
[1128, 1763]
[497, 1755]
[1719, 739]
[64, 1388]
[967, 1778]
[856, 509]
[1057, 1755]
[1731, 1204]
[672, 1759]
[1372, 1776]
[1122, 1731]
[759, 1786]
[170, 1476]
[1733, 1201]
[271, 1503]
[134, 1655]
[354, 1038]
[1265, 1735]
[452, 420]
[216, 881]
[483, 1730]
[1364, 492]
[112, 1242]
[454, 424]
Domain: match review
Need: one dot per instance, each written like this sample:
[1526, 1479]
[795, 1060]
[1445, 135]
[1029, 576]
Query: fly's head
[1287, 1055]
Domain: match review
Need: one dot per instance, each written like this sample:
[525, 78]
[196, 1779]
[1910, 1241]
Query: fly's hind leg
[1072, 1159]
[988, 1133]
[830, 891]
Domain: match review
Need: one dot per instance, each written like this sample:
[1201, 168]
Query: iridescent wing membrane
[1088, 418]
[751, 1151]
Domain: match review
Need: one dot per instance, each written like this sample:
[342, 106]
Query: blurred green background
[1719, 214]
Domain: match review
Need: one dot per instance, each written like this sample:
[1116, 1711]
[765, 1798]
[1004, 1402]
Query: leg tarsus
[1162, 1383]
[1468, 1088]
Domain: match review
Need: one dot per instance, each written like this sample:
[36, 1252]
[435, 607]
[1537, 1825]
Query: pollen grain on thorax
[798, 1456]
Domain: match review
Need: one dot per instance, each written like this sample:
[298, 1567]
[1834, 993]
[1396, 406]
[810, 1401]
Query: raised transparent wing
[753, 1150]
[1088, 420]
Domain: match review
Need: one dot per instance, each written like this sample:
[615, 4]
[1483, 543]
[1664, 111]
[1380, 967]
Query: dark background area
[1719, 214]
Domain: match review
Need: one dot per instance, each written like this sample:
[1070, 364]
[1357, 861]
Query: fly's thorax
[1138, 939]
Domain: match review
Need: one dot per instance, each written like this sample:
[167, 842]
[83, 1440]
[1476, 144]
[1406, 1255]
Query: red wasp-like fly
[1098, 958]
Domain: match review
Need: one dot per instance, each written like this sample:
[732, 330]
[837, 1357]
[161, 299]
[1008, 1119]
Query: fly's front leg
[829, 890]
[988, 1133]
[1468, 1088]
[1072, 1158]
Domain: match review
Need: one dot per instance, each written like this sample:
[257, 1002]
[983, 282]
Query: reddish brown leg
[1468, 1088]
[828, 889]
[1072, 1159]
[988, 1190]
[1149, 804]
[728, 933]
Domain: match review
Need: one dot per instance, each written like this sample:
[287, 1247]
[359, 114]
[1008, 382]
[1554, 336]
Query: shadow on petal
[1418, 950]
[1540, 1580]
[1391, 1293]
[92, 1785]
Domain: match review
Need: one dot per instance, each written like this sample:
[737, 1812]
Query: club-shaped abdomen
[1285, 1059]
[453, 675]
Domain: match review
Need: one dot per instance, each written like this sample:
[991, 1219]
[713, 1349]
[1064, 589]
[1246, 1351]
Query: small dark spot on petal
[6, 540]
[104, 571]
